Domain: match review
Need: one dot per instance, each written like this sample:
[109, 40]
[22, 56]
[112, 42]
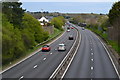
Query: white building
[43, 20]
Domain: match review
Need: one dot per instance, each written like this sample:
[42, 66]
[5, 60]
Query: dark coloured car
[83, 28]
[46, 48]
[68, 27]
[70, 37]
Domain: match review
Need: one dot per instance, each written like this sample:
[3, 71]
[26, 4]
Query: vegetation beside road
[107, 26]
[16, 41]
[57, 33]
[114, 44]
[58, 22]
[110, 27]
[21, 32]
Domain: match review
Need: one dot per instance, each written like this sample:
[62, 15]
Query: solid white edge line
[108, 55]
[30, 55]
[71, 59]
[61, 62]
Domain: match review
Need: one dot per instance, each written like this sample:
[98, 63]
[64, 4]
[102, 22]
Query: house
[43, 21]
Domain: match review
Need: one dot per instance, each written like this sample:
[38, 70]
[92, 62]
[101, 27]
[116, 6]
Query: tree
[114, 13]
[58, 22]
[14, 12]
[114, 19]
[34, 28]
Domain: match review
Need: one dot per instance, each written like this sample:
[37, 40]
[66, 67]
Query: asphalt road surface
[42, 64]
[91, 60]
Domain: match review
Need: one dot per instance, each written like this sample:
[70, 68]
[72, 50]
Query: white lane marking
[21, 77]
[44, 58]
[31, 54]
[91, 49]
[35, 66]
[108, 55]
[91, 59]
[63, 61]
[72, 58]
[50, 53]
[91, 53]
[91, 68]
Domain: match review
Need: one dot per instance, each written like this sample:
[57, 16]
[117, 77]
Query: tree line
[20, 32]
[106, 25]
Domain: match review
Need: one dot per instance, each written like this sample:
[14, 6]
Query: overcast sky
[69, 0]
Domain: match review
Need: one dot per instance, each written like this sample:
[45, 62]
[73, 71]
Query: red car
[72, 27]
[46, 48]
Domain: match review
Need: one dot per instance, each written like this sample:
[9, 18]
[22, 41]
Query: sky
[69, 7]
[69, 0]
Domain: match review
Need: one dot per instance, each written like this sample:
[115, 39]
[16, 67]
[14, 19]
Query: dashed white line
[91, 59]
[91, 49]
[21, 77]
[50, 53]
[91, 68]
[31, 55]
[91, 53]
[109, 56]
[35, 66]
[44, 58]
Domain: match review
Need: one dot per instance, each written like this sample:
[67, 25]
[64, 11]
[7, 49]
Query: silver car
[61, 47]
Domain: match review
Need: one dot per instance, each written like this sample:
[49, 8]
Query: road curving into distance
[42, 64]
[91, 60]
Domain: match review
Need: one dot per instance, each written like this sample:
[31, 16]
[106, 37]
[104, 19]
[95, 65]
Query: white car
[68, 30]
[61, 47]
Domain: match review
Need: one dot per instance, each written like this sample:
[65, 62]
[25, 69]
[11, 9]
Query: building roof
[43, 19]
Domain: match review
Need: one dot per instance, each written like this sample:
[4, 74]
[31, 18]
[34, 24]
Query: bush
[58, 22]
